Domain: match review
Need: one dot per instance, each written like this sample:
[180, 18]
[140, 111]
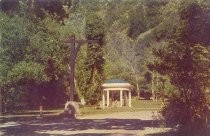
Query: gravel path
[115, 124]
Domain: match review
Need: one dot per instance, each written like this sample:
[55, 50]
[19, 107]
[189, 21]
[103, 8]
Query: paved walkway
[140, 123]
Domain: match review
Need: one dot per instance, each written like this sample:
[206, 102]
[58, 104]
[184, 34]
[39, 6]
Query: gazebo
[119, 90]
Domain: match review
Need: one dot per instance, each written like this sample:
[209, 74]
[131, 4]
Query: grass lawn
[146, 104]
[137, 105]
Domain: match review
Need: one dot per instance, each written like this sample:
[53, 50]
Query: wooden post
[72, 65]
[73, 55]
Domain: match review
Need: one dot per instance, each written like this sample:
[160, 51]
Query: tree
[125, 58]
[92, 67]
[186, 61]
[33, 61]
[137, 22]
[15, 68]
[9, 5]
[53, 7]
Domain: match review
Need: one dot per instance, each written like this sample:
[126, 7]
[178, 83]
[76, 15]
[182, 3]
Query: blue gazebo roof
[116, 81]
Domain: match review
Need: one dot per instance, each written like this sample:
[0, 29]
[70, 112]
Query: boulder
[71, 109]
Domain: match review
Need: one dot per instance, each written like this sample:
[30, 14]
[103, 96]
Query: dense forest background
[157, 45]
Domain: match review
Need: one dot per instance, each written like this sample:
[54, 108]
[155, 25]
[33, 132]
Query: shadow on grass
[105, 134]
[28, 113]
[181, 133]
[170, 133]
[76, 127]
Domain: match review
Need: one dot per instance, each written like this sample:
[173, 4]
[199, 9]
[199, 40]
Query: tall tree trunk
[137, 86]
[157, 88]
[153, 90]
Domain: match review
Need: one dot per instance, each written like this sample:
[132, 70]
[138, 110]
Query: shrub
[145, 94]
[191, 120]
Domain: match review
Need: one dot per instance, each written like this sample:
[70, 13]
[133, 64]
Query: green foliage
[31, 55]
[93, 65]
[191, 120]
[94, 27]
[137, 23]
[9, 5]
[12, 99]
[126, 58]
[53, 7]
[186, 62]
[26, 72]
[146, 94]
[153, 12]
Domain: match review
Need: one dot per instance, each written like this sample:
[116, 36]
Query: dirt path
[143, 115]
[122, 124]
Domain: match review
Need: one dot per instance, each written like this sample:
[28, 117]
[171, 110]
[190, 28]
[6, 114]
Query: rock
[71, 109]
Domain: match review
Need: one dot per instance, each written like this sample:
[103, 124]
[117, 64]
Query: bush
[145, 94]
[191, 120]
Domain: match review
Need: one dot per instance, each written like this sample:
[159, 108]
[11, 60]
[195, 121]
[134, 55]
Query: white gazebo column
[103, 100]
[121, 98]
[129, 98]
[107, 99]
[126, 98]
